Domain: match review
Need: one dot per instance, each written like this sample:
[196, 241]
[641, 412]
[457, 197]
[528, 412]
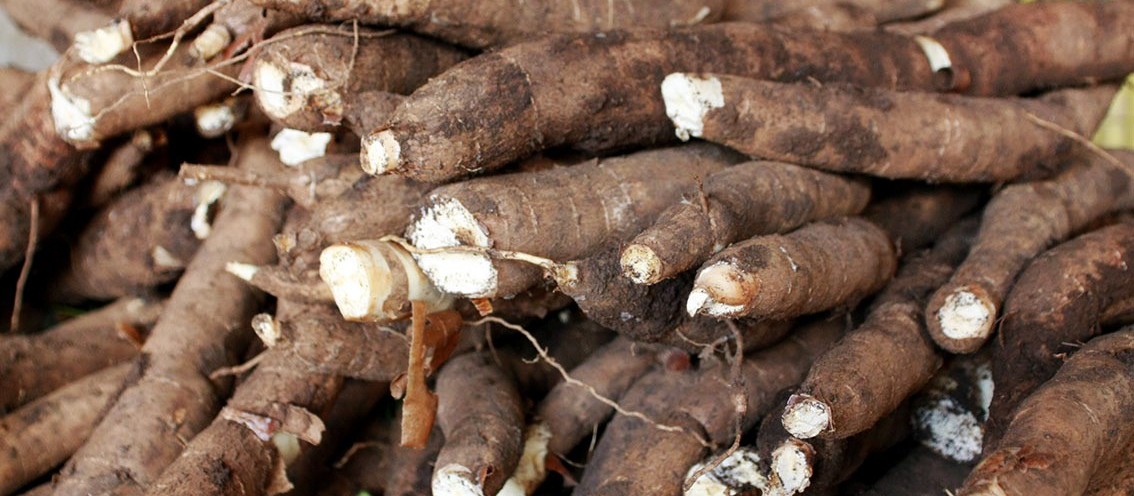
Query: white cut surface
[806, 417]
[207, 195]
[164, 259]
[640, 264]
[721, 277]
[284, 91]
[360, 281]
[215, 119]
[455, 480]
[380, 153]
[532, 469]
[949, 429]
[101, 45]
[964, 316]
[296, 147]
[791, 468]
[72, 115]
[447, 223]
[736, 474]
[688, 99]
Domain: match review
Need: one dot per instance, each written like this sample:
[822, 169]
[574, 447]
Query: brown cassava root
[33, 366]
[738, 203]
[1019, 223]
[584, 207]
[307, 78]
[44, 433]
[688, 413]
[482, 25]
[1069, 429]
[137, 438]
[820, 266]
[1062, 297]
[848, 129]
[875, 367]
[827, 14]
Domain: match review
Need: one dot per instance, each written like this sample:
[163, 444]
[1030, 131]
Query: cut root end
[455, 480]
[296, 147]
[380, 153]
[688, 99]
[641, 264]
[966, 316]
[739, 473]
[360, 280]
[283, 88]
[791, 467]
[806, 417]
[103, 44]
[720, 290]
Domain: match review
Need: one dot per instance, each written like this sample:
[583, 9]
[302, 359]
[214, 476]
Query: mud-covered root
[821, 266]
[376, 281]
[1060, 299]
[90, 104]
[481, 415]
[1019, 223]
[205, 318]
[682, 414]
[484, 25]
[877, 366]
[1069, 429]
[142, 239]
[738, 203]
[919, 215]
[307, 77]
[949, 414]
[34, 365]
[42, 434]
[560, 213]
[849, 129]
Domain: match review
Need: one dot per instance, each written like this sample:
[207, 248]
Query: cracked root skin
[1068, 430]
[743, 201]
[482, 25]
[1060, 298]
[305, 80]
[601, 92]
[818, 267]
[173, 399]
[848, 129]
[1019, 223]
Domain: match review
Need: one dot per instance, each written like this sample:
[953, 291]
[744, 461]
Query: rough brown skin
[571, 412]
[18, 81]
[411, 470]
[833, 461]
[154, 18]
[818, 267]
[1019, 223]
[56, 21]
[826, 14]
[901, 135]
[117, 254]
[600, 92]
[484, 24]
[1069, 428]
[634, 457]
[369, 110]
[1114, 480]
[35, 165]
[738, 203]
[953, 11]
[920, 473]
[34, 365]
[876, 367]
[1060, 298]
[230, 457]
[561, 213]
[344, 63]
[1082, 43]
[42, 434]
[655, 313]
[322, 342]
[481, 415]
[124, 165]
[120, 102]
[204, 319]
[918, 215]
[239, 23]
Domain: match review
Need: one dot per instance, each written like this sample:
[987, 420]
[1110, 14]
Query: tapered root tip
[380, 153]
[101, 45]
[641, 264]
[738, 473]
[719, 291]
[455, 480]
[688, 99]
[791, 466]
[806, 417]
[965, 316]
[359, 281]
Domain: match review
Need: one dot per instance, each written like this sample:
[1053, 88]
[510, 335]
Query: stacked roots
[703, 247]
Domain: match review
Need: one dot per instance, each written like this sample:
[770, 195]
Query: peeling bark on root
[1019, 223]
[848, 129]
[35, 365]
[174, 399]
[1069, 429]
[1059, 299]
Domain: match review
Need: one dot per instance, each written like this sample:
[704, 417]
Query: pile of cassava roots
[622, 247]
